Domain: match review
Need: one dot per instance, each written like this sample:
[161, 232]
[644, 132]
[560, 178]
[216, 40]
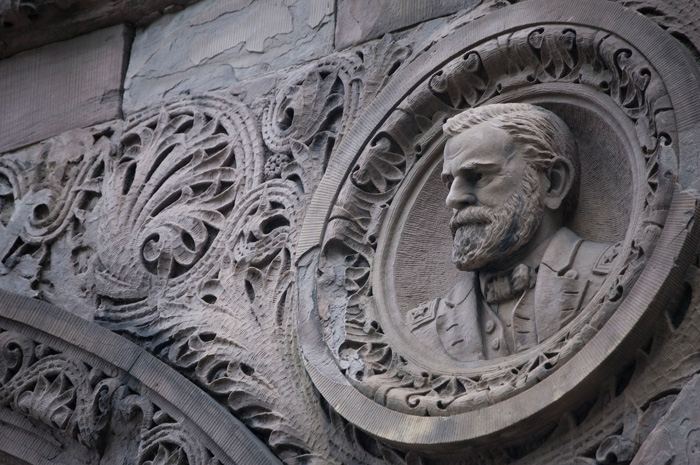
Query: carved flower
[463, 82]
[383, 167]
[275, 164]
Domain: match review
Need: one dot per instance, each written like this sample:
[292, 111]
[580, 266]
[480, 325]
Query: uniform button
[571, 274]
[490, 326]
[496, 343]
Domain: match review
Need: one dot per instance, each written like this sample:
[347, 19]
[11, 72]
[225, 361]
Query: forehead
[481, 143]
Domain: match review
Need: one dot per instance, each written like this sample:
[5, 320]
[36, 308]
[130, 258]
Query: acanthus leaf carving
[317, 105]
[177, 177]
[86, 403]
[240, 307]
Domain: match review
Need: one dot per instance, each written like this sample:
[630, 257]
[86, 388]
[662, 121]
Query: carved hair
[539, 134]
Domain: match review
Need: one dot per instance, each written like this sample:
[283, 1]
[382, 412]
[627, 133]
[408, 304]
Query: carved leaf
[382, 168]
[177, 178]
[464, 82]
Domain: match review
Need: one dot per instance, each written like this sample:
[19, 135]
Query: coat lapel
[457, 322]
[559, 290]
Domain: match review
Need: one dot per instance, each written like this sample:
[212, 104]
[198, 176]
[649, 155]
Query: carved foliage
[176, 178]
[86, 403]
[189, 244]
[326, 97]
[198, 265]
[194, 246]
[42, 189]
[45, 192]
[219, 311]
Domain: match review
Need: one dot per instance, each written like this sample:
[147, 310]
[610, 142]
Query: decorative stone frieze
[109, 395]
[255, 265]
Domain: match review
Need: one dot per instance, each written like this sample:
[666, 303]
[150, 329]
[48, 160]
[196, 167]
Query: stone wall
[173, 173]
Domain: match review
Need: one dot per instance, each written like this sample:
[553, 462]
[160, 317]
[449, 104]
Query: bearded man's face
[483, 235]
[495, 195]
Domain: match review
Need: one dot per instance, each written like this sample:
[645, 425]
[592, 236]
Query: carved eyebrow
[479, 165]
[487, 167]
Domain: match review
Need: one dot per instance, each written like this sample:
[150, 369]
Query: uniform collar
[561, 251]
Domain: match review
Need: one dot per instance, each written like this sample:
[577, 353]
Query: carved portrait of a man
[512, 175]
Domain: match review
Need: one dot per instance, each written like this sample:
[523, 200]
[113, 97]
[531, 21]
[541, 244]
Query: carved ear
[561, 177]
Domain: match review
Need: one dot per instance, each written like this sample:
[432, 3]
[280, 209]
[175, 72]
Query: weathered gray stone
[94, 387]
[676, 439]
[29, 24]
[362, 20]
[219, 43]
[270, 240]
[62, 86]
[350, 279]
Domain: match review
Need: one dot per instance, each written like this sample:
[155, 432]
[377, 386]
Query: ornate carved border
[466, 79]
[47, 353]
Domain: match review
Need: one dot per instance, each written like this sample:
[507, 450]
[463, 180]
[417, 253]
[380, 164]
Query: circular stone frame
[625, 325]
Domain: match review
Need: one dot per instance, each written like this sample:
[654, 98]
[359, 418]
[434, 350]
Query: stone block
[26, 25]
[219, 43]
[62, 86]
[362, 20]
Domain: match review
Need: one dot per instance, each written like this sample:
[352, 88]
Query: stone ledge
[62, 86]
[359, 21]
[30, 24]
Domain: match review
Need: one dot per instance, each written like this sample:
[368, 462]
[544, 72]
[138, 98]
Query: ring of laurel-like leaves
[547, 54]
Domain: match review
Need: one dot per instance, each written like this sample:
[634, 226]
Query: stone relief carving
[190, 242]
[48, 195]
[181, 226]
[91, 406]
[676, 17]
[243, 277]
[513, 177]
[193, 212]
[548, 54]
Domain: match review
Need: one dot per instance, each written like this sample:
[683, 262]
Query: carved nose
[459, 198]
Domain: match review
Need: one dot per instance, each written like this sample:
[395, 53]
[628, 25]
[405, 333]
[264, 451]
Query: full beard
[486, 235]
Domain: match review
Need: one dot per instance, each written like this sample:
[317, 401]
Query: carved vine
[316, 107]
[547, 54]
[86, 403]
[47, 193]
[199, 221]
[181, 224]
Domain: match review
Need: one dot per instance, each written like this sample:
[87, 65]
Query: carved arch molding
[73, 392]
[249, 308]
[599, 67]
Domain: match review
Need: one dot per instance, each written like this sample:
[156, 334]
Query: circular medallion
[416, 352]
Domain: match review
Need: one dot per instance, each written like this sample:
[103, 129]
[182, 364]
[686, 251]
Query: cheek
[498, 191]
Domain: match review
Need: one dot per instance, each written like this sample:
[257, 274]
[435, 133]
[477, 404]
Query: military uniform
[519, 313]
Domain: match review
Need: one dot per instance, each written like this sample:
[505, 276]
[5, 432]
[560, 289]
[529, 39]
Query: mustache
[470, 216]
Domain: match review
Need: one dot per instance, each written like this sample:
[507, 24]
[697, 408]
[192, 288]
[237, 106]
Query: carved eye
[447, 180]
